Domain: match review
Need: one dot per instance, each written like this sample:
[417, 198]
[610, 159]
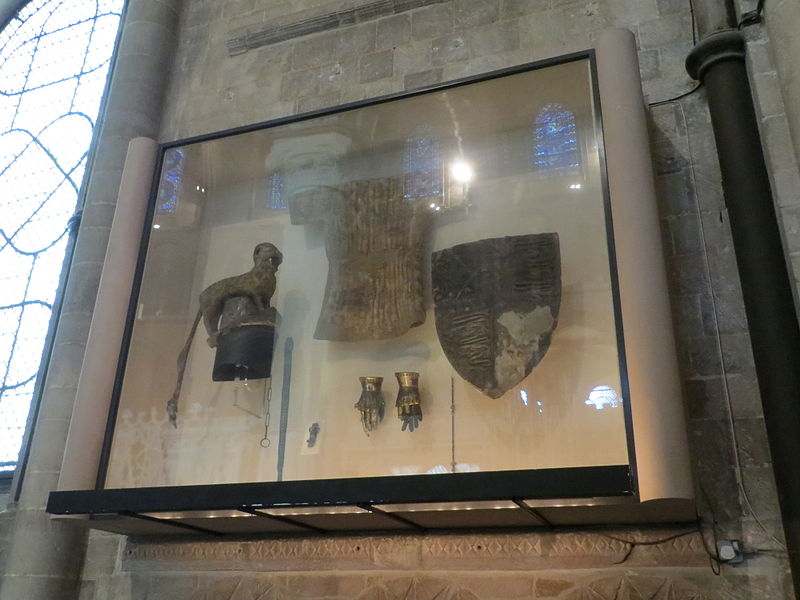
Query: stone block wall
[566, 565]
[6, 521]
[235, 64]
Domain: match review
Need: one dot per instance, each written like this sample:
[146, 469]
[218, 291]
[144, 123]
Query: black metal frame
[574, 482]
[604, 481]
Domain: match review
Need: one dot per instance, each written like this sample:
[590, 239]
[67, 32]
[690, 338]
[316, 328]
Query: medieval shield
[496, 306]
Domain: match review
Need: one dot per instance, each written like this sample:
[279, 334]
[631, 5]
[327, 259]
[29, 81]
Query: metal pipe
[719, 63]
[711, 17]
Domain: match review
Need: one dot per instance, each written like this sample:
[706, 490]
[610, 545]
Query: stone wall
[565, 565]
[217, 84]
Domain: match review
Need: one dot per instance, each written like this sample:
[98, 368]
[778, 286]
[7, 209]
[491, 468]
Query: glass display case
[402, 301]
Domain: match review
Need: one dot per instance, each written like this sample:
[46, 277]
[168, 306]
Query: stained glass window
[54, 59]
[422, 164]
[556, 151]
[170, 189]
[276, 192]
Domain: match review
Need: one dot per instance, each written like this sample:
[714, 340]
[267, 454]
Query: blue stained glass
[276, 192]
[422, 163]
[170, 188]
[555, 149]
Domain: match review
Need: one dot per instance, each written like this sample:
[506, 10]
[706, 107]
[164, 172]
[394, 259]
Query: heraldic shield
[496, 304]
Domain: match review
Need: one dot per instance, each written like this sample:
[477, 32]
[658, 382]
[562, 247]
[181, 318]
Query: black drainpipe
[718, 62]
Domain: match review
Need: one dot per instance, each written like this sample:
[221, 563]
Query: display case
[378, 317]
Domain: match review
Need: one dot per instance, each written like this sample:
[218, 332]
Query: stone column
[45, 556]
[782, 18]
[8, 10]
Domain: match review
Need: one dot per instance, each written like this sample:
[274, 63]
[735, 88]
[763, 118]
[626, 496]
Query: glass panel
[441, 306]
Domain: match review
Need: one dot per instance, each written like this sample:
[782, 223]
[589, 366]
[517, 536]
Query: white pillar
[659, 426]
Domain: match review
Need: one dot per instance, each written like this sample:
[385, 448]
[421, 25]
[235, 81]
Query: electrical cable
[694, 43]
[749, 18]
[718, 340]
[713, 555]
[676, 98]
[633, 543]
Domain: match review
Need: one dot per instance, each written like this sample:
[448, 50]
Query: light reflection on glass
[603, 396]
[526, 401]
[460, 468]
[461, 172]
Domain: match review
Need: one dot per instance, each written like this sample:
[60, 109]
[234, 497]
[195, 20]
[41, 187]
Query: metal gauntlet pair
[371, 404]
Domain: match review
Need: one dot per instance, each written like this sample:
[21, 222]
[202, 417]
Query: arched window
[276, 192]
[54, 58]
[556, 152]
[422, 164]
[170, 189]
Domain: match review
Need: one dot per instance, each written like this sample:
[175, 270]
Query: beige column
[45, 556]
[95, 386]
[9, 9]
[659, 426]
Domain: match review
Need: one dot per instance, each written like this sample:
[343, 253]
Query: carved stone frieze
[445, 586]
[637, 587]
[513, 552]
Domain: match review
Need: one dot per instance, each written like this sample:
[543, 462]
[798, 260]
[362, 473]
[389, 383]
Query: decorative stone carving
[431, 552]
[309, 164]
[420, 588]
[637, 587]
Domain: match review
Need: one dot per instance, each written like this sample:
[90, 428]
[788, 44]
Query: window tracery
[556, 151]
[54, 59]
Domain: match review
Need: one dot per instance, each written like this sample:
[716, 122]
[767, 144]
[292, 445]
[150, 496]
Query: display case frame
[475, 499]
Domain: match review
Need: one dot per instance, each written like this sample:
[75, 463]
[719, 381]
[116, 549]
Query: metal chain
[265, 441]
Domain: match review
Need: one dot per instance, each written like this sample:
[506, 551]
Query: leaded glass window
[54, 59]
[423, 167]
[276, 192]
[170, 189]
[555, 142]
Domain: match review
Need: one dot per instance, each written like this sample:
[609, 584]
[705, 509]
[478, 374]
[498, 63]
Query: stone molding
[324, 22]
[506, 552]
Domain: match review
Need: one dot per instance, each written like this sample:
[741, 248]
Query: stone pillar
[45, 556]
[8, 10]
[783, 22]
